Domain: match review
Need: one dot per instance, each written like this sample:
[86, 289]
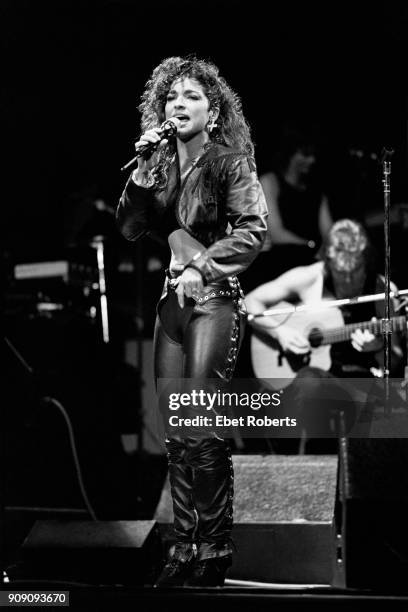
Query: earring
[211, 124]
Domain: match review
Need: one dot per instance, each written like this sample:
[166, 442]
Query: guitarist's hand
[291, 340]
[365, 342]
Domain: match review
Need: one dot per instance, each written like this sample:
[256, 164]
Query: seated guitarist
[346, 270]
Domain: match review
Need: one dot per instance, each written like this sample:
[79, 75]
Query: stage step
[283, 508]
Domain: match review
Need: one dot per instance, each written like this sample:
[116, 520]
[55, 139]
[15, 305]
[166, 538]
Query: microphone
[386, 154]
[166, 130]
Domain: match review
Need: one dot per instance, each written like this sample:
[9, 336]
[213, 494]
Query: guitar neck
[342, 334]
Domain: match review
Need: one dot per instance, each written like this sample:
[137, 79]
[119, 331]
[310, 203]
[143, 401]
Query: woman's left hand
[190, 284]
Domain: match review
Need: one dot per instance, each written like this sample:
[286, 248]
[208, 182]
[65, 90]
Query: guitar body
[269, 363]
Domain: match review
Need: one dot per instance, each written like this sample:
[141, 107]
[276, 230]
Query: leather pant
[200, 341]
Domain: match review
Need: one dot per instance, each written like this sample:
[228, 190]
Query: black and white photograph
[205, 305]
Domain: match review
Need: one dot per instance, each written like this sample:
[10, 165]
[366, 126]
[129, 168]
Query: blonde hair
[346, 245]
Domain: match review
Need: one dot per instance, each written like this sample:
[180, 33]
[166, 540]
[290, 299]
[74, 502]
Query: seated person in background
[347, 270]
[299, 216]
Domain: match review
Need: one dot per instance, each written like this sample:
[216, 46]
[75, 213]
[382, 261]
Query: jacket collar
[214, 151]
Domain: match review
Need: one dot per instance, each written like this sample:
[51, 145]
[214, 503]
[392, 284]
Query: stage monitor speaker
[97, 553]
[370, 528]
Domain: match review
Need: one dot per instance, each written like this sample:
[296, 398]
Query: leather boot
[209, 572]
[178, 567]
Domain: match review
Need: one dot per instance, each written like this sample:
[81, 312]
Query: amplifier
[46, 288]
[63, 270]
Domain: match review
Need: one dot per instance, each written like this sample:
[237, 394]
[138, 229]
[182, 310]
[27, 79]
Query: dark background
[74, 72]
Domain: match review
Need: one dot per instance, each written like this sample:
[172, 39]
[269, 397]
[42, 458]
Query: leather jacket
[220, 203]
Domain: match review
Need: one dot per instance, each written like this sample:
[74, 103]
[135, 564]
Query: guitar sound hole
[315, 337]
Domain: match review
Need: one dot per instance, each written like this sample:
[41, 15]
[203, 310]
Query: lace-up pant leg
[169, 358]
[200, 470]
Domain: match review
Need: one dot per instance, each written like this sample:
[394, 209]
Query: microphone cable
[54, 402]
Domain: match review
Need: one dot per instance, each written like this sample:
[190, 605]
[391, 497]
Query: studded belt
[230, 287]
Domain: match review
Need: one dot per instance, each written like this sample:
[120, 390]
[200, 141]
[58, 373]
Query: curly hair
[232, 128]
[346, 245]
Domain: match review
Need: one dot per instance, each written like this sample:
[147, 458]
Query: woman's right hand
[291, 340]
[144, 165]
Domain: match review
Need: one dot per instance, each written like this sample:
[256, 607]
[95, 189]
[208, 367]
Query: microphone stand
[386, 322]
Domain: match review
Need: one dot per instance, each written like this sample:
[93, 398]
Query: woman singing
[201, 189]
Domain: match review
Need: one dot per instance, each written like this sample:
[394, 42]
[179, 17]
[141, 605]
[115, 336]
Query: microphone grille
[171, 126]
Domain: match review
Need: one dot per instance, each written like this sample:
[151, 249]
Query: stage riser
[280, 488]
[283, 553]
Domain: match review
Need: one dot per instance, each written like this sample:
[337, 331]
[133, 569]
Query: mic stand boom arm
[322, 305]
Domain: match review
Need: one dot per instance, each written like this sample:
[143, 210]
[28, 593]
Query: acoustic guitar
[322, 328]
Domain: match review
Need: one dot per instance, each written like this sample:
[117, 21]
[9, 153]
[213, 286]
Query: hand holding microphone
[149, 143]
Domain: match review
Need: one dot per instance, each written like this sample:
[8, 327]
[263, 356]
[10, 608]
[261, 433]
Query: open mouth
[182, 118]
